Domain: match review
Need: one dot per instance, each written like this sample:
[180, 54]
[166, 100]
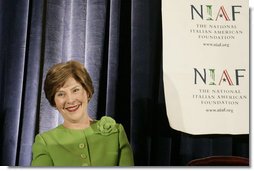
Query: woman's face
[71, 101]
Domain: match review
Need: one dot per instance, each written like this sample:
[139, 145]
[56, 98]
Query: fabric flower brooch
[106, 126]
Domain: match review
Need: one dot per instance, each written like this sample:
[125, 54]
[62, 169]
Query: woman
[79, 141]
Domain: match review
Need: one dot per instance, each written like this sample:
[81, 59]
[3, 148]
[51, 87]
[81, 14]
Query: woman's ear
[88, 97]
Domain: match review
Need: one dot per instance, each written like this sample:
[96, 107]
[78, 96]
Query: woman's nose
[70, 99]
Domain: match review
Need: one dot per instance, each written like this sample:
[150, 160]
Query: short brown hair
[59, 73]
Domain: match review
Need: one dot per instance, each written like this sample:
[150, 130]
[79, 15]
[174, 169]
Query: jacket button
[83, 156]
[81, 145]
[84, 164]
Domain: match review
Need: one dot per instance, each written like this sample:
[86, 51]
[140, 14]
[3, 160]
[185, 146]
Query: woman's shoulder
[49, 131]
[106, 125]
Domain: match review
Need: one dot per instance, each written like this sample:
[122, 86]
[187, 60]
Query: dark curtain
[120, 43]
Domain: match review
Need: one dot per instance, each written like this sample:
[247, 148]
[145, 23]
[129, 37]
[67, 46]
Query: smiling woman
[81, 140]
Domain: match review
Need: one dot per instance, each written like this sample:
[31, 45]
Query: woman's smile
[73, 108]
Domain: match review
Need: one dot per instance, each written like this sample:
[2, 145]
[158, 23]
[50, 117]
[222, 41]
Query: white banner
[206, 65]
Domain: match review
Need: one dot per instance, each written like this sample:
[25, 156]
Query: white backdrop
[203, 55]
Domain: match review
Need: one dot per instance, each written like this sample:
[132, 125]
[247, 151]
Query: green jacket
[104, 143]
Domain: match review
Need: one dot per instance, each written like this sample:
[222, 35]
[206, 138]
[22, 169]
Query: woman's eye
[75, 90]
[60, 94]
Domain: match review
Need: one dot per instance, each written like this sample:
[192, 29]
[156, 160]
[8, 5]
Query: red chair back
[220, 161]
